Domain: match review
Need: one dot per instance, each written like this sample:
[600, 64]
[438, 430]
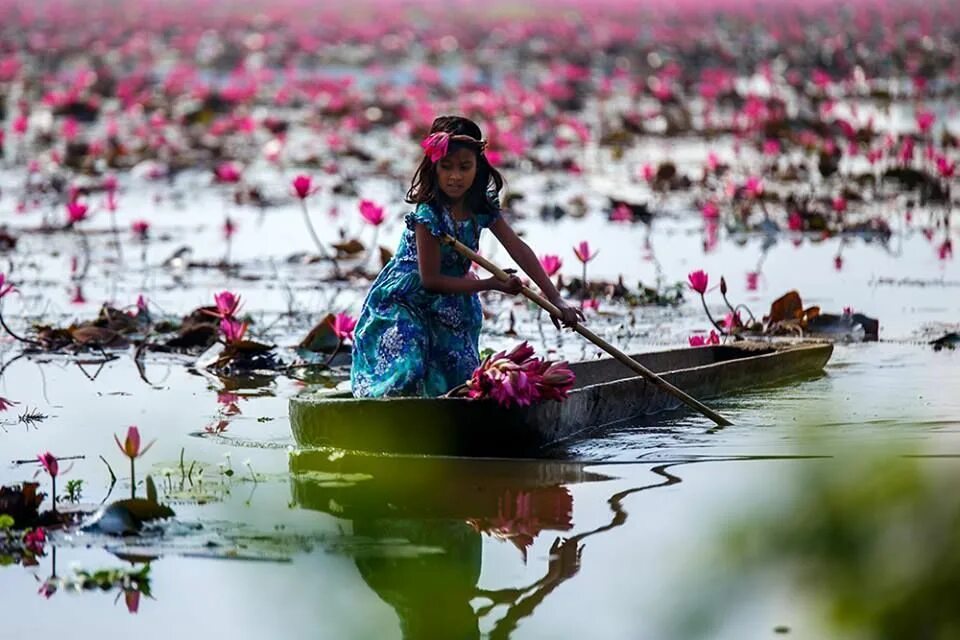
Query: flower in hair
[436, 145]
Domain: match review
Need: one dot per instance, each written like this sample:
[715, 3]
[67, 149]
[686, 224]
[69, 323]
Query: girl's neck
[458, 209]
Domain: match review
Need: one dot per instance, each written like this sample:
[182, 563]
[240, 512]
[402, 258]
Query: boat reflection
[441, 508]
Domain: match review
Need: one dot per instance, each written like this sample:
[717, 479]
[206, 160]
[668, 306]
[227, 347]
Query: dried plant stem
[15, 336]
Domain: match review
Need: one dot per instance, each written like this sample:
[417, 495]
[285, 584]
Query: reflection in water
[440, 507]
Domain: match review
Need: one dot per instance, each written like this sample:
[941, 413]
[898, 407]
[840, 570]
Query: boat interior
[607, 369]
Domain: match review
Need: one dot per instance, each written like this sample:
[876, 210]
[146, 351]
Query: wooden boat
[605, 392]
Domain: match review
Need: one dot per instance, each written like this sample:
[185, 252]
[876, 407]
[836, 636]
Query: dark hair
[424, 187]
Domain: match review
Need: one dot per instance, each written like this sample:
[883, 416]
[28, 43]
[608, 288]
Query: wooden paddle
[648, 375]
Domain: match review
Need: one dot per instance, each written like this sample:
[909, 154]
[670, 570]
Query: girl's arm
[428, 261]
[524, 256]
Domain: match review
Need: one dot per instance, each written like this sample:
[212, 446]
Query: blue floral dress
[409, 341]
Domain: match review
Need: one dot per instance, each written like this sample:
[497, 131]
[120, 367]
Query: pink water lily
[710, 210]
[551, 264]
[303, 186]
[622, 213]
[76, 211]
[698, 340]
[131, 449]
[435, 145]
[232, 329]
[795, 221]
[131, 598]
[227, 303]
[371, 212]
[583, 253]
[227, 173]
[698, 280]
[131, 443]
[50, 463]
[140, 227]
[343, 325]
[518, 378]
[753, 187]
[925, 120]
[945, 168]
[52, 467]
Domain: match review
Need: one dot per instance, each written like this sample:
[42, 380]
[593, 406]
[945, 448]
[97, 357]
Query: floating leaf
[349, 248]
[322, 337]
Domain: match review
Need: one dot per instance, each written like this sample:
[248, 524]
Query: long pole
[647, 375]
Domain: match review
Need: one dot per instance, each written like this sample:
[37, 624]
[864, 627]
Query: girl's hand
[511, 286]
[570, 315]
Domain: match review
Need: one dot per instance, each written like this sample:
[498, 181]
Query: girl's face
[455, 173]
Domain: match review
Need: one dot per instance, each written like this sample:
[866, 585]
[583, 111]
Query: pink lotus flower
[753, 280]
[520, 353]
[435, 145]
[109, 183]
[229, 228]
[925, 120]
[839, 204]
[732, 321]
[227, 303]
[34, 539]
[848, 311]
[50, 463]
[140, 227]
[771, 147]
[227, 173]
[710, 210]
[343, 325]
[303, 186]
[131, 444]
[838, 262]
[699, 341]
[698, 281]
[76, 211]
[648, 173]
[795, 221]
[20, 124]
[754, 187]
[551, 264]
[232, 329]
[713, 161]
[5, 287]
[131, 598]
[622, 213]
[945, 168]
[371, 213]
[945, 250]
[517, 378]
[582, 251]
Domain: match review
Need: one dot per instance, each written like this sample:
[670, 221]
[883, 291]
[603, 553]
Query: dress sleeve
[425, 215]
[494, 199]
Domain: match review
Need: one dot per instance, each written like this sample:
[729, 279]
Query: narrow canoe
[606, 392]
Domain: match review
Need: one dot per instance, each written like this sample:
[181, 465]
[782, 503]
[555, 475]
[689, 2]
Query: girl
[418, 331]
